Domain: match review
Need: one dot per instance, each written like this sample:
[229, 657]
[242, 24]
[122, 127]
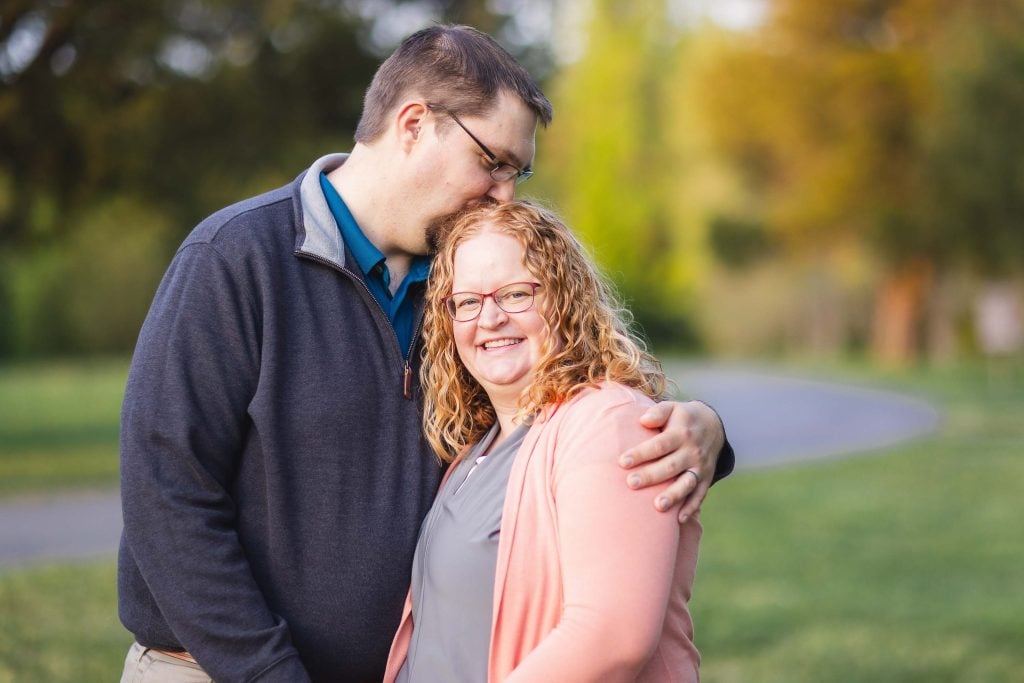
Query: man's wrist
[725, 459]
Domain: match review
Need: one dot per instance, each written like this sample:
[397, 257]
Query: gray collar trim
[320, 235]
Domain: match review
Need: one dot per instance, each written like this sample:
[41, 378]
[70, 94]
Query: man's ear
[409, 123]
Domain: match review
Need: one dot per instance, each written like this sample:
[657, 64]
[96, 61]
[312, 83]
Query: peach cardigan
[592, 583]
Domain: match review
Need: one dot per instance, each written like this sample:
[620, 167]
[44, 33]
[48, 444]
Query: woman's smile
[501, 343]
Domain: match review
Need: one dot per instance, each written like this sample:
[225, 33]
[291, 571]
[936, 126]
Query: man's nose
[503, 191]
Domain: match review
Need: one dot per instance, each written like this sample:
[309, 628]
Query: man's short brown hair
[458, 67]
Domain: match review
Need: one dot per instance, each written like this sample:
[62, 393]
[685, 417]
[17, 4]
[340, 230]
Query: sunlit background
[843, 177]
[836, 186]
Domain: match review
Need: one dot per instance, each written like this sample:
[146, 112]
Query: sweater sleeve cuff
[725, 463]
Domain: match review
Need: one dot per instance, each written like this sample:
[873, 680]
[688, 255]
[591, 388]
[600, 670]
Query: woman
[536, 563]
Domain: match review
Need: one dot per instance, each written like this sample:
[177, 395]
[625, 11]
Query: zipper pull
[407, 381]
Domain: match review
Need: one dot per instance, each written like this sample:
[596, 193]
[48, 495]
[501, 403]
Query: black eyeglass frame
[496, 172]
[449, 306]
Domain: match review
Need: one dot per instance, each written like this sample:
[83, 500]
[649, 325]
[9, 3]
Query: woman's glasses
[513, 298]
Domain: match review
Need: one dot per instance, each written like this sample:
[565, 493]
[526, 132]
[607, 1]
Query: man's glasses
[514, 298]
[500, 171]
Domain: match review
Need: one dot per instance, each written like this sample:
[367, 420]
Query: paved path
[70, 527]
[772, 419]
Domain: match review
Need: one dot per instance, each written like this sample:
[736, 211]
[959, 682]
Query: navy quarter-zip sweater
[273, 472]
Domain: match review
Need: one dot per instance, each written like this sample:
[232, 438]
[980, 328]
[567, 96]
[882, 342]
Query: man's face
[456, 171]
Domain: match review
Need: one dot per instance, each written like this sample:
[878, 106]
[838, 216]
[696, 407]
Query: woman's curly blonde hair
[589, 339]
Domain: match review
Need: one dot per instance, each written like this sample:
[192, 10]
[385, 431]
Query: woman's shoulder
[597, 424]
[603, 402]
[608, 395]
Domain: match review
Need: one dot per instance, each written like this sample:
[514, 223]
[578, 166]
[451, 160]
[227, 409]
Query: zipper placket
[407, 378]
[407, 367]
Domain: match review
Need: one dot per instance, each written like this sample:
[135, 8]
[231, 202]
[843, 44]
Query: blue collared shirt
[398, 307]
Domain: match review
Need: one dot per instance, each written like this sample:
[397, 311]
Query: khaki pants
[143, 665]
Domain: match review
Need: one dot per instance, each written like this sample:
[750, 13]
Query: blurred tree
[823, 114]
[182, 104]
[609, 163]
[738, 242]
[181, 107]
[974, 173]
[166, 111]
[90, 291]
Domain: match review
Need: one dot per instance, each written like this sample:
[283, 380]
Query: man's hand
[687, 449]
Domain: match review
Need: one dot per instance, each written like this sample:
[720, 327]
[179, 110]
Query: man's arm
[692, 449]
[184, 424]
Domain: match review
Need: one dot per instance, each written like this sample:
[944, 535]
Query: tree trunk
[899, 312]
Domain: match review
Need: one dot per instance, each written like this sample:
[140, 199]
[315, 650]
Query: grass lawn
[60, 624]
[59, 425]
[897, 566]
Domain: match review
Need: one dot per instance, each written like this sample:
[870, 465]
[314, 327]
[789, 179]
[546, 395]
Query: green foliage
[893, 125]
[116, 256]
[817, 112]
[896, 123]
[611, 167]
[128, 123]
[739, 242]
[91, 290]
[175, 104]
[974, 175]
[31, 287]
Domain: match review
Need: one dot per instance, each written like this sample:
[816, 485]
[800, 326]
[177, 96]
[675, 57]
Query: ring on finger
[696, 477]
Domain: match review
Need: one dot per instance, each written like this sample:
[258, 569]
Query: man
[274, 475]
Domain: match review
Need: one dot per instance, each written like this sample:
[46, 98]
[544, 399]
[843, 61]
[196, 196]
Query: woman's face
[501, 350]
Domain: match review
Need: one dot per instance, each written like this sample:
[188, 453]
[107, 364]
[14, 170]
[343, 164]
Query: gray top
[453, 569]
